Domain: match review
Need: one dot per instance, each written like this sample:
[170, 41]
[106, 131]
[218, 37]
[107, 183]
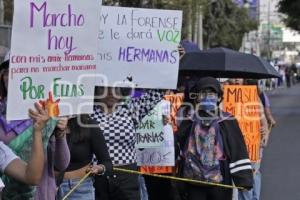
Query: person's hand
[62, 126]
[96, 169]
[40, 117]
[263, 142]
[181, 51]
[166, 120]
[245, 189]
[272, 122]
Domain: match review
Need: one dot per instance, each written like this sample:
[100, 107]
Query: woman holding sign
[55, 147]
[118, 120]
[31, 172]
[212, 146]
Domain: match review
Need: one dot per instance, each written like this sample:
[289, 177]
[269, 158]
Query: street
[281, 161]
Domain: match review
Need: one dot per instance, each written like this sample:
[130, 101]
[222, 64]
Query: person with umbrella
[226, 63]
[212, 145]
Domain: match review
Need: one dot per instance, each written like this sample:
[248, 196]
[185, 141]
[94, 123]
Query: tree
[129, 3]
[225, 24]
[291, 8]
[8, 11]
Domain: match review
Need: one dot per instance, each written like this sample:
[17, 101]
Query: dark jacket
[236, 166]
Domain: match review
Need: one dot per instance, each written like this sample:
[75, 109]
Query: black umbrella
[226, 63]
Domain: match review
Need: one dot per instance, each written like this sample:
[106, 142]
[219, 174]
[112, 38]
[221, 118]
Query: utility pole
[269, 30]
[189, 24]
[200, 28]
[195, 22]
[1, 12]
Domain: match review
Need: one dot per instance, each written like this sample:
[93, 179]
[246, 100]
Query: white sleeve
[1, 185]
[6, 156]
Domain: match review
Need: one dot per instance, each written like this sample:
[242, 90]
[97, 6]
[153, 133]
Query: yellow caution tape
[178, 179]
[155, 175]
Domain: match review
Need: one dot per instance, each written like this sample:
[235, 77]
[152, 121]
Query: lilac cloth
[58, 157]
[137, 93]
[189, 46]
[15, 126]
[6, 138]
[267, 101]
[8, 131]
[18, 126]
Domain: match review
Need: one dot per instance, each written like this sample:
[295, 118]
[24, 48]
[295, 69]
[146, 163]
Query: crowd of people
[289, 76]
[209, 147]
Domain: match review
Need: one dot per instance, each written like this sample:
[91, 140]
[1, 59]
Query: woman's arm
[100, 150]
[31, 173]
[62, 152]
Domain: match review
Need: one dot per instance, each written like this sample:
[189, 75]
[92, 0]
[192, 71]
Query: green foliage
[129, 3]
[8, 11]
[225, 25]
[292, 9]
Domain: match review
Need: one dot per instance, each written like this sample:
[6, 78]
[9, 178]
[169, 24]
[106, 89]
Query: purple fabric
[267, 101]
[10, 130]
[58, 157]
[189, 46]
[16, 126]
[203, 152]
[6, 138]
[138, 93]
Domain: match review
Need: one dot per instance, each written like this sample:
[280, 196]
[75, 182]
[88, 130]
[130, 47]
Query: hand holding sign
[62, 127]
[63, 62]
[39, 116]
[51, 106]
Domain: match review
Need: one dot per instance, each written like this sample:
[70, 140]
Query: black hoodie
[237, 165]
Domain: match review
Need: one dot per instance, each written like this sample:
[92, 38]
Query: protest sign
[156, 170]
[139, 47]
[176, 101]
[243, 102]
[162, 156]
[53, 44]
[150, 132]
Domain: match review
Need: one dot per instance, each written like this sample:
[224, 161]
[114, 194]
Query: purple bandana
[17, 126]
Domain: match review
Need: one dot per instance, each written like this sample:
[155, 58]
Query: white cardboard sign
[53, 50]
[139, 47]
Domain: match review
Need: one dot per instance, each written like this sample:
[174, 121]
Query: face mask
[208, 110]
[208, 103]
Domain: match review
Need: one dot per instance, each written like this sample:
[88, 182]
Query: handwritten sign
[176, 101]
[53, 44]
[139, 46]
[163, 156]
[150, 132]
[243, 102]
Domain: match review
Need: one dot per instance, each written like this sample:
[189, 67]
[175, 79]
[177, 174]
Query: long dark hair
[3, 91]
[123, 91]
[79, 133]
